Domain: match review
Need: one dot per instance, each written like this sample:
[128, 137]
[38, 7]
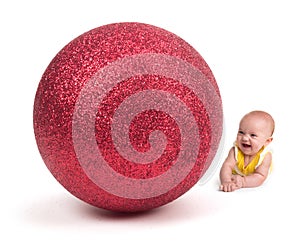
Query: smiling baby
[249, 160]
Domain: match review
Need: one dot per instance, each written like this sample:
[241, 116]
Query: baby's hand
[238, 180]
[229, 186]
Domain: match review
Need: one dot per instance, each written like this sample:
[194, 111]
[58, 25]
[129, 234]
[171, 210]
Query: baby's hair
[266, 116]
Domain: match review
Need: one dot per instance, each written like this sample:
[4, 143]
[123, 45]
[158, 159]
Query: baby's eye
[241, 132]
[253, 135]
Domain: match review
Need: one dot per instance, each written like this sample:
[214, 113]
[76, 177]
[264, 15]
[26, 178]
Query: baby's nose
[245, 137]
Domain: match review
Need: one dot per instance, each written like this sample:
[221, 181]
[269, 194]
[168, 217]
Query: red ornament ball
[128, 117]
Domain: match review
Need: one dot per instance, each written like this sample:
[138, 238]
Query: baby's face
[253, 134]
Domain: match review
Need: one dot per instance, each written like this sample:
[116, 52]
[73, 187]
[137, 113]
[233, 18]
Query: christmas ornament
[128, 117]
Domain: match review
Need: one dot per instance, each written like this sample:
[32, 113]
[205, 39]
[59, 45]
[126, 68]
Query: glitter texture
[128, 117]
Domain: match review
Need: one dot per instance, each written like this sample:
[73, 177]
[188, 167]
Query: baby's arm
[260, 174]
[227, 184]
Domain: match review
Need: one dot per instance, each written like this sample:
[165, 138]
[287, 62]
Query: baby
[249, 162]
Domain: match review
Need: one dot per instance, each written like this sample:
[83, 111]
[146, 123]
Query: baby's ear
[268, 141]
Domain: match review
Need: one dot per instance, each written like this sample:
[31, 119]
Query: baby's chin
[246, 149]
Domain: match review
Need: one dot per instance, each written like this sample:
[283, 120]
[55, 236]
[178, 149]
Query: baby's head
[255, 131]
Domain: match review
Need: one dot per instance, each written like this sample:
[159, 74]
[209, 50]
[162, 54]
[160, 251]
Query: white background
[253, 50]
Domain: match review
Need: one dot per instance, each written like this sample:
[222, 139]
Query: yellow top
[250, 168]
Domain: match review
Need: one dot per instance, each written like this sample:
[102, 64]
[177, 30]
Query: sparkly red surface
[128, 117]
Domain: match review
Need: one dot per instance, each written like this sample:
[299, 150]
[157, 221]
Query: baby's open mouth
[246, 145]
